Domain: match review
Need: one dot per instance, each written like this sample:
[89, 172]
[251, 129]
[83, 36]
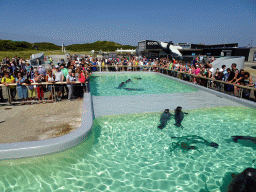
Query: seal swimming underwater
[245, 138]
[186, 141]
[165, 117]
[133, 89]
[123, 83]
[179, 116]
[244, 182]
[120, 85]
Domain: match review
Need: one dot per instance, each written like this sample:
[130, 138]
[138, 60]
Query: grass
[28, 53]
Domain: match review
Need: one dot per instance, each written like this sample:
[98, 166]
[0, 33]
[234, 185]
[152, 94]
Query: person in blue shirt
[94, 68]
[21, 88]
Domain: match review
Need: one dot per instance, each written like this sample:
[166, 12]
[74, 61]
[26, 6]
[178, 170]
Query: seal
[120, 85]
[179, 116]
[165, 117]
[186, 142]
[133, 89]
[245, 138]
[243, 182]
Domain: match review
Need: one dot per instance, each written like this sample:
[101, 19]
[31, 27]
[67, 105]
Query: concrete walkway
[106, 105]
[39, 121]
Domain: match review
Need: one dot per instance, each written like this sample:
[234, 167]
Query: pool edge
[241, 101]
[36, 148]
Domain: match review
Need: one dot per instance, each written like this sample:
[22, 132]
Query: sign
[152, 45]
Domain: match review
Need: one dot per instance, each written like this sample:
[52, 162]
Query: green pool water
[106, 84]
[129, 153]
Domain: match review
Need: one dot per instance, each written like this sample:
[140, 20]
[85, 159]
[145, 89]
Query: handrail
[137, 66]
[43, 83]
[224, 82]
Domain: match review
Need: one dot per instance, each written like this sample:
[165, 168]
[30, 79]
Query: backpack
[82, 78]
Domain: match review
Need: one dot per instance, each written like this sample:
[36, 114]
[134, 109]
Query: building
[151, 49]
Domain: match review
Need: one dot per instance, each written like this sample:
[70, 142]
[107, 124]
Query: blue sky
[127, 22]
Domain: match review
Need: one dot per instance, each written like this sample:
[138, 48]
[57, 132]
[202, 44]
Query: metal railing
[210, 83]
[6, 92]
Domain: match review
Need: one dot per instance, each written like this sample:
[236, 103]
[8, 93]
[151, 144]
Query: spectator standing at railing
[103, 65]
[234, 73]
[21, 88]
[4, 60]
[39, 88]
[99, 64]
[70, 83]
[78, 88]
[232, 77]
[41, 71]
[59, 77]
[28, 71]
[23, 67]
[218, 76]
[50, 78]
[8, 79]
[31, 89]
[82, 78]
[65, 73]
[223, 69]
[245, 80]
[10, 68]
[238, 80]
[54, 70]
[8, 60]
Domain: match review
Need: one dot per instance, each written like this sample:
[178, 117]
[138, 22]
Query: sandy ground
[39, 121]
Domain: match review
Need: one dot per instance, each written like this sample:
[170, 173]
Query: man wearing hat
[41, 70]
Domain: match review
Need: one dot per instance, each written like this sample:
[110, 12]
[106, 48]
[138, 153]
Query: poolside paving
[40, 121]
[107, 105]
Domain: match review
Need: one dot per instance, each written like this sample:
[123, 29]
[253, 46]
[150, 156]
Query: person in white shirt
[59, 77]
[99, 64]
[211, 68]
[201, 58]
[71, 80]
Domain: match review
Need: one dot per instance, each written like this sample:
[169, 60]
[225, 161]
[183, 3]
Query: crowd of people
[23, 74]
[78, 69]
[230, 75]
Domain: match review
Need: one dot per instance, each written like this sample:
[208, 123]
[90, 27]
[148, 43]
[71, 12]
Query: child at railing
[31, 89]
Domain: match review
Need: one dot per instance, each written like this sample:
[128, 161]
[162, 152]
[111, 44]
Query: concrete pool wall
[36, 148]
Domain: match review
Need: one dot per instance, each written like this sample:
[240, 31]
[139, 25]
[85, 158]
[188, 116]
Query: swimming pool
[106, 84]
[129, 153]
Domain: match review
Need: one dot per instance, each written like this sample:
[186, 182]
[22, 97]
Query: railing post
[241, 92]
[9, 95]
[54, 94]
